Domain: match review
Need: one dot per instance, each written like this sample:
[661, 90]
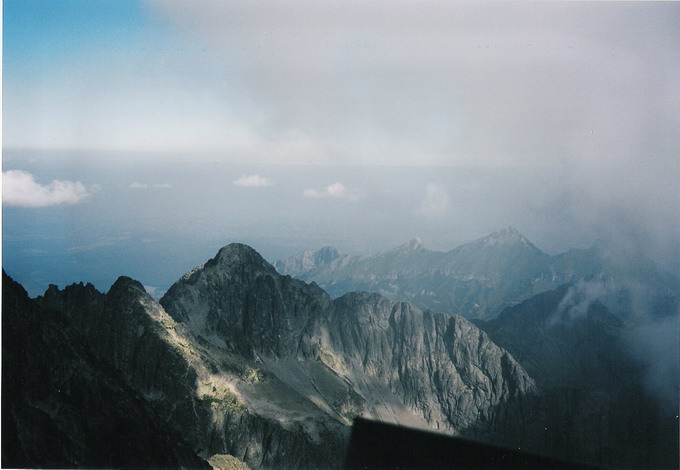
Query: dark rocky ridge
[63, 407]
[179, 375]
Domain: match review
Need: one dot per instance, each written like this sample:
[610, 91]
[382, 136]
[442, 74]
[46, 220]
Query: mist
[445, 121]
[655, 345]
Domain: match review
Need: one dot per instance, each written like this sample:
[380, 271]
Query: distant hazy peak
[414, 243]
[508, 236]
[411, 245]
[328, 253]
[305, 261]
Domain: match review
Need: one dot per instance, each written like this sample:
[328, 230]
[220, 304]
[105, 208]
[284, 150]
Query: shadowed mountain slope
[63, 407]
[593, 404]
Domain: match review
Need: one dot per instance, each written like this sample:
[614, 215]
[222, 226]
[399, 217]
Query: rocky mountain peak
[508, 236]
[327, 254]
[126, 284]
[232, 259]
[411, 245]
[236, 254]
[307, 261]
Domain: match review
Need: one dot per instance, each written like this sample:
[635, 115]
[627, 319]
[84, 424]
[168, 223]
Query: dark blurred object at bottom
[375, 445]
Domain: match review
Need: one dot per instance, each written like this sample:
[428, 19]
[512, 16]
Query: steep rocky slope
[247, 362]
[563, 338]
[195, 384]
[63, 407]
[427, 369]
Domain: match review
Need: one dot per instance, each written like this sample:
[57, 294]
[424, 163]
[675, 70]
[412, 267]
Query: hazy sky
[145, 126]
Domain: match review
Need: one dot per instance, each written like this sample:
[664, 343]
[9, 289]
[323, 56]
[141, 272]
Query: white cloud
[20, 189]
[137, 185]
[253, 181]
[101, 243]
[335, 190]
[435, 202]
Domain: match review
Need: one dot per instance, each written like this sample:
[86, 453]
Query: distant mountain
[247, 362]
[481, 278]
[629, 284]
[306, 261]
[475, 280]
[63, 407]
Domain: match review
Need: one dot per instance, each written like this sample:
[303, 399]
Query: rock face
[244, 361]
[64, 407]
[361, 354]
[479, 279]
[192, 382]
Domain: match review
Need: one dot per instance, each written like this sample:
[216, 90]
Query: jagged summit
[125, 283]
[237, 275]
[235, 252]
[328, 253]
[229, 258]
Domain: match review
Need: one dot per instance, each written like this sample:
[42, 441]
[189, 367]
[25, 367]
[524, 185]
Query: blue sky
[136, 128]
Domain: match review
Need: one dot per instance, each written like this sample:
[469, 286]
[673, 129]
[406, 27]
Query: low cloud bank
[20, 189]
[335, 190]
[656, 345]
[253, 181]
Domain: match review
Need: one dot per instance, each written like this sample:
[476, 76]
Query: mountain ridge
[63, 406]
[271, 370]
[480, 278]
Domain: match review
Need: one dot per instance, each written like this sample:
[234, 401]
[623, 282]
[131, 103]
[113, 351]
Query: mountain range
[239, 360]
[479, 279]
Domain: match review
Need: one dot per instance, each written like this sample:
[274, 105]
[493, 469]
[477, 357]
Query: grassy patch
[226, 462]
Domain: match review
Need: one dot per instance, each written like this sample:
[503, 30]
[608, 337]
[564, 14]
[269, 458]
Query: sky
[141, 136]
